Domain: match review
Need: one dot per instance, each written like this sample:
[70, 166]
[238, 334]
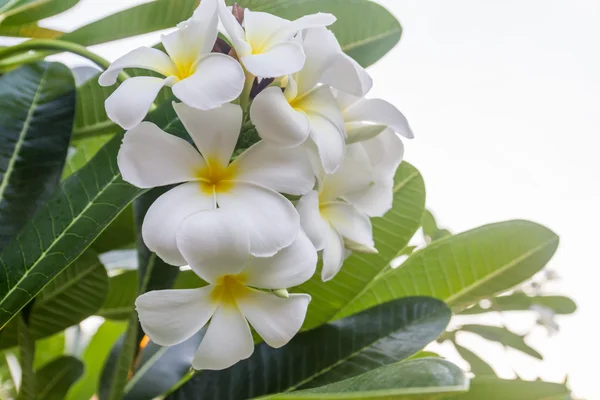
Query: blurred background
[504, 101]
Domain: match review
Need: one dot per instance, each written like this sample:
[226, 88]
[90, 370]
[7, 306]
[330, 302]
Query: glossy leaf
[465, 268]
[503, 336]
[478, 366]
[426, 378]
[36, 116]
[391, 233]
[27, 11]
[27, 354]
[522, 302]
[490, 388]
[54, 379]
[121, 296]
[380, 336]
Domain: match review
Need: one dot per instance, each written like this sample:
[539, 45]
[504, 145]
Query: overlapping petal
[350, 223]
[354, 174]
[142, 57]
[311, 220]
[374, 201]
[330, 142]
[333, 254]
[281, 59]
[378, 111]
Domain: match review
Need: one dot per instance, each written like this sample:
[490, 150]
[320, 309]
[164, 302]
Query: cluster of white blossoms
[251, 225]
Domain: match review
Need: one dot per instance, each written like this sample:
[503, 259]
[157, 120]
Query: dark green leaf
[121, 296]
[27, 354]
[504, 336]
[426, 378]
[478, 366]
[37, 105]
[490, 388]
[27, 11]
[54, 379]
[380, 336]
[521, 302]
[465, 268]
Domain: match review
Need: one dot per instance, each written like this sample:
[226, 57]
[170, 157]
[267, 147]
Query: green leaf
[391, 234]
[29, 31]
[342, 349]
[94, 358]
[37, 104]
[490, 388]
[504, 336]
[478, 366]
[188, 280]
[521, 302]
[54, 379]
[430, 228]
[27, 11]
[465, 268]
[426, 378]
[27, 354]
[68, 223]
[121, 296]
[48, 349]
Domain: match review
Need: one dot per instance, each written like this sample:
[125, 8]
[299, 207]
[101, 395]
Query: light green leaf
[380, 336]
[36, 116]
[48, 349]
[490, 388]
[423, 379]
[54, 379]
[478, 366]
[503, 336]
[391, 234]
[29, 31]
[465, 268]
[19, 12]
[27, 354]
[522, 302]
[121, 296]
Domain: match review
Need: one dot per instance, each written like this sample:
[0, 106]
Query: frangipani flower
[199, 78]
[333, 224]
[264, 43]
[249, 185]
[306, 109]
[218, 251]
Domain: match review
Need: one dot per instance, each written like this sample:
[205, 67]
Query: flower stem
[245, 96]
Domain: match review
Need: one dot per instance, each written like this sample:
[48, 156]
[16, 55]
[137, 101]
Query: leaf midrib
[54, 380]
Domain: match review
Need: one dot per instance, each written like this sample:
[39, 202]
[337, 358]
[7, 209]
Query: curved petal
[234, 30]
[276, 120]
[282, 59]
[218, 79]
[385, 152]
[360, 131]
[270, 218]
[311, 220]
[321, 101]
[374, 201]
[215, 132]
[275, 319]
[354, 174]
[213, 244]
[345, 74]
[190, 40]
[150, 157]
[321, 49]
[280, 169]
[260, 26]
[333, 254]
[350, 223]
[290, 267]
[170, 317]
[166, 214]
[143, 57]
[304, 22]
[130, 102]
[379, 112]
[227, 341]
[329, 141]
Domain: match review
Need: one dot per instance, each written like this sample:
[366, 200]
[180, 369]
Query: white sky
[503, 97]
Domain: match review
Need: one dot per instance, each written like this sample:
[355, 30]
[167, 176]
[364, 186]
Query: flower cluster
[250, 222]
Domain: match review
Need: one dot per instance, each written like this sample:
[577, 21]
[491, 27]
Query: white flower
[218, 251]
[150, 157]
[199, 78]
[332, 223]
[264, 44]
[306, 109]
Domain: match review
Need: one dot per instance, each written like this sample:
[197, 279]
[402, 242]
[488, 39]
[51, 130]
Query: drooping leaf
[490, 388]
[503, 336]
[26, 357]
[465, 268]
[29, 31]
[54, 379]
[478, 366]
[94, 358]
[521, 302]
[27, 11]
[391, 233]
[121, 296]
[425, 378]
[37, 104]
[345, 348]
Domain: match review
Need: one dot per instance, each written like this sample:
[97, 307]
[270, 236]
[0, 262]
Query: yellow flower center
[228, 289]
[216, 178]
[185, 69]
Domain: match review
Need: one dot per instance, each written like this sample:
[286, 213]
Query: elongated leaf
[522, 302]
[29, 31]
[426, 378]
[27, 354]
[490, 388]
[380, 336]
[503, 336]
[37, 104]
[54, 379]
[478, 366]
[391, 234]
[68, 223]
[48, 349]
[27, 11]
[465, 268]
[121, 296]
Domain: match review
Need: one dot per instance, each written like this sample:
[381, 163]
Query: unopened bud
[283, 293]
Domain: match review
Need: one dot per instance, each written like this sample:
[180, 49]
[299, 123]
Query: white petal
[143, 57]
[290, 267]
[349, 222]
[276, 120]
[305, 22]
[166, 214]
[374, 201]
[284, 170]
[130, 102]
[321, 49]
[234, 30]
[321, 101]
[333, 254]
[347, 75]
[329, 140]
[215, 132]
[385, 152]
[218, 79]
[192, 38]
[260, 26]
[282, 59]
[345, 100]
[150, 157]
[227, 341]
[270, 218]
[275, 319]
[310, 219]
[214, 244]
[354, 174]
[379, 112]
[170, 317]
